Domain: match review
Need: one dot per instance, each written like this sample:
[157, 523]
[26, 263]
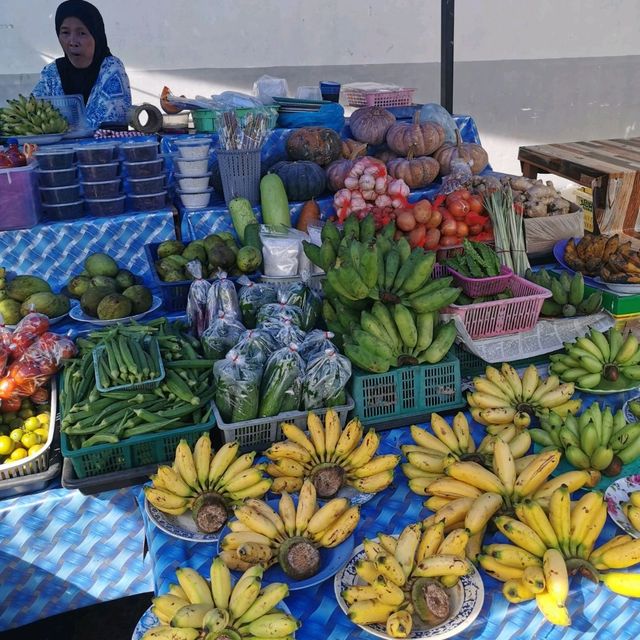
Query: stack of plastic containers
[145, 175]
[58, 183]
[192, 175]
[100, 179]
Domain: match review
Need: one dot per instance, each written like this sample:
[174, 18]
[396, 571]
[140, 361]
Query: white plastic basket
[39, 461]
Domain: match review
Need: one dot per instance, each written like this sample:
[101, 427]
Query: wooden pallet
[610, 167]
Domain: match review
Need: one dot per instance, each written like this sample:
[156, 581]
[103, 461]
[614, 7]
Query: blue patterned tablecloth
[61, 550]
[56, 251]
[596, 612]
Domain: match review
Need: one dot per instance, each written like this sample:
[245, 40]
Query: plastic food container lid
[59, 170]
[161, 175]
[94, 147]
[137, 164]
[194, 193]
[139, 144]
[66, 186]
[55, 151]
[92, 182]
[117, 199]
[193, 142]
[105, 164]
[179, 176]
[66, 204]
[147, 195]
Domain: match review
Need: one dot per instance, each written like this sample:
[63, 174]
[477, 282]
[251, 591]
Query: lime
[32, 423]
[6, 445]
[43, 433]
[16, 423]
[44, 418]
[25, 413]
[18, 454]
[9, 416]
[35, 449]
[16, 435]
[26, 404]
[29, 439]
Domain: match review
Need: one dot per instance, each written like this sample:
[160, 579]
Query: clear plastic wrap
[286, 332]
[236, 382]
[251, 297]
[278, 312]
[27, 332]
[221, 336]
[300, 294]
[5, 334]
[256, 345]
[197, 299]
[222, 298]
[314, 343]
[281, 386]
[325, 381]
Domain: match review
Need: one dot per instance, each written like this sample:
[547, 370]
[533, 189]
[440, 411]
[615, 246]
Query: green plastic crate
[204, 120]
[616, 304]
[400, 396]
[471, 365]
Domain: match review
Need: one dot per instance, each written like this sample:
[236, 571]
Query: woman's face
[77, 43]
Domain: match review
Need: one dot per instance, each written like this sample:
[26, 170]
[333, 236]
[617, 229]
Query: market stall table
[595, 611]
[610, 167]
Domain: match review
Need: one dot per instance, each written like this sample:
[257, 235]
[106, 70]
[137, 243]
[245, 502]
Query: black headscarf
[74, 80]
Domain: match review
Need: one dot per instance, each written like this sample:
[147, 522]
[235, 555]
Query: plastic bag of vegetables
[237, 387]
[278, 312]
[325, 380]
[197, 299]
[315, 343]
[256, 345]
[223, 298]
[300, 294]
[221, 335]
[282, 378]
[251, 297]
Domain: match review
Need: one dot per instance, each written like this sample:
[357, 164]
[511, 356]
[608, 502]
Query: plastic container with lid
[148, 201]
[105, 189]
[58, 177]
[135, 151]
[150, 169]
[145, 186]
[63, 211]
[191, 168]
[195, 200]
[54, 158]
[193, 148]
[193, 183]
[60, 195]
[95, 153]
[106, 206]
[99, 172]
[19, 199]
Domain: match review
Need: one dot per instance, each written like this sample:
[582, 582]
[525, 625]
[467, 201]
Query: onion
[462, 229]
[447, 228]
[458, 208]
[432, 239]
[475, 229]
[435, 219]
[450, 241]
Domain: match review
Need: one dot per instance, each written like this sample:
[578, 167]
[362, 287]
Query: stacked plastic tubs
[58, 183]
[145, 175]
[191, 172]
[101, 181]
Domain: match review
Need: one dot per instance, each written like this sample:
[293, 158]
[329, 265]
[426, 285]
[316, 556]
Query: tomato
[7, 387]
[11, 405]
[34, 322]
[27, 388]
[448, 228]
[458, 208]
[418, 236]
[66, 348]
[475, 204]
[23, 371]
[475, 229]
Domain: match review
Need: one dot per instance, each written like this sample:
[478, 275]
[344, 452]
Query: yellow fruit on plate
[18, 454]
[6, 445]
[43, 433]
[16, 435]
[29, 439]
[32, 423]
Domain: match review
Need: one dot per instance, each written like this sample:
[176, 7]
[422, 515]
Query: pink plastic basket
[475, 287]
[502, 317]
[359, 98]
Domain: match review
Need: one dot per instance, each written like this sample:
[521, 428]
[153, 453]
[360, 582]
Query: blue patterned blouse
[110, 97]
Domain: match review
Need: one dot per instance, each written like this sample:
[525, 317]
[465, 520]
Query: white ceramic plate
[78, 314]
[616, 495]
[625, 289]
[182, 527]
[150, 620]
[466, 600]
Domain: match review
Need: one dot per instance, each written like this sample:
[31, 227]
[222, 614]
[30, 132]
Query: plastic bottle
[18, 159]
[5, 161]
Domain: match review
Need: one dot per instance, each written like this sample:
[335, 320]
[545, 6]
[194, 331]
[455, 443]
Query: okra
[149, 427]
[114, 369]
[100, 438]
[191, 364]
[125, 352]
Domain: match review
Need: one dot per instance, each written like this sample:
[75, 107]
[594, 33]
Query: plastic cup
[330, 90]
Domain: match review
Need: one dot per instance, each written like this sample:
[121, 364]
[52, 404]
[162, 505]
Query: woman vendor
[87, 68]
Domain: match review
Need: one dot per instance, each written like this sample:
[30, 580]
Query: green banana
[391, 266]
[559, 294]
[382, 313]
[577, 457]
[407, 268]
[601, 458]
[367, 229]
[369, 265]
[601, 342]
[436, 301]
[372, 325]
[330, 233]
[445, 336]
[420, 275]
[351, 228]
[404, 249]
[406, 325]
[425, 324]
[366, 360]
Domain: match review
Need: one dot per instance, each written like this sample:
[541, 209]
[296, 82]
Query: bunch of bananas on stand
[30, 117]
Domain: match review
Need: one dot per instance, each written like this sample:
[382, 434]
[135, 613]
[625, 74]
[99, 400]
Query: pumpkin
[416, 172]
[370, 124]
[315, 144]
[423, 137]
[353, 149]
[469, 152]
[303, 180]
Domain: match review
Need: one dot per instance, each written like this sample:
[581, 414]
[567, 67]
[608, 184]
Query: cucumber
[273, 198]
[241, 215]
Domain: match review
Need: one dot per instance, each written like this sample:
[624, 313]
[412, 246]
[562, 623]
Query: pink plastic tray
[502, 317]
[359, 98]
[475, 287]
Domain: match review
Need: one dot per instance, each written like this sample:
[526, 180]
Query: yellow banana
[316, 433]
[455, 511]
[195, 586]
[487, 401]
[499, 380]
[504, 465]
[244, 594]
[626, 584]
[516, 592]
[185, 465]
[236, 525]
[523, 463]
[570, 406]
[256, 521]
[555, 575]
[482, 511]
[359, 592]
[545, 386]
[442, 565]
[388, 592]
[554, 612]
[498, 415]
[349, 439]
[414, 473]
[343, 527]
[536, 473]
[374, 483]
[306, 506]
[168, 604]
[254, 553]
[220, 583]
[271, 596]
[244, 480]
[367, 570]
[560, 395]
[177, 590]
[202, 460]
[621, 556]
[370, 612]
[581, 516]
[461, 430]
[585, 546]
[610, 544]
[268, 512]
[483, 385]
[454, 543]
[530, 381]
[421, 485]
[560, 516]
[372, 548]
[534, 579]
[332, 432]
[633, 514]
[272, 625]
[476, 475]
[363, 453]
[407, 545]
[537, 519]
[326, 515]
[498, 570]
[389, 543]
[239, 465]
[436, 502]
[430, 541]
[164, 500]
[431, 463]
[476, 412]
[172, 482]
[513, 556]
[295, 434]
[256, 490]
[474, 546]
[520, 444]
[390, 568]
[399, 624]
[235, 539]
[512, 377]
[521, 535]
[377, 465]
[428, 441]
[290, 468]
[171, 633]
[574, 480]
[286, 483]
[445, 433]
[288, 449]
[231, 559]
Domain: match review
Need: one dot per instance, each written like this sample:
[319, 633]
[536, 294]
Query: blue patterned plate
[182, 527]
[78, 314]
[466, 600]
[616, 495]
[628, 414]
[150, 620]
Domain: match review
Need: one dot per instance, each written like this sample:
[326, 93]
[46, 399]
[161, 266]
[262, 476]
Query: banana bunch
[396, 336]
[547, 547]
[596, 439]
[291, 535]
[501, 396]
[29, 117]
[568, 294]
[330, 457]
[205, 483]
[598, 357]
[427, 458]
[197, 608]
[405, 577]
[631, 509]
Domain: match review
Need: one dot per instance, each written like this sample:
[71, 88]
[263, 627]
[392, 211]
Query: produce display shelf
[258, 434]
[401, 396]
[106, 481]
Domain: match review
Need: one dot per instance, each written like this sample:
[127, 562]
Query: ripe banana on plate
[502, 398]
[631, 509]
[407, 577]
[196, 607]
[330, 457]
[546, 547]
[206, 482]
[290, 535]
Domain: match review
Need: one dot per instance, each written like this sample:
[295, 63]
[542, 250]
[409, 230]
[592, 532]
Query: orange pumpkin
[470, 152]
[423, 137]
[416, 172]
[315, 144]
